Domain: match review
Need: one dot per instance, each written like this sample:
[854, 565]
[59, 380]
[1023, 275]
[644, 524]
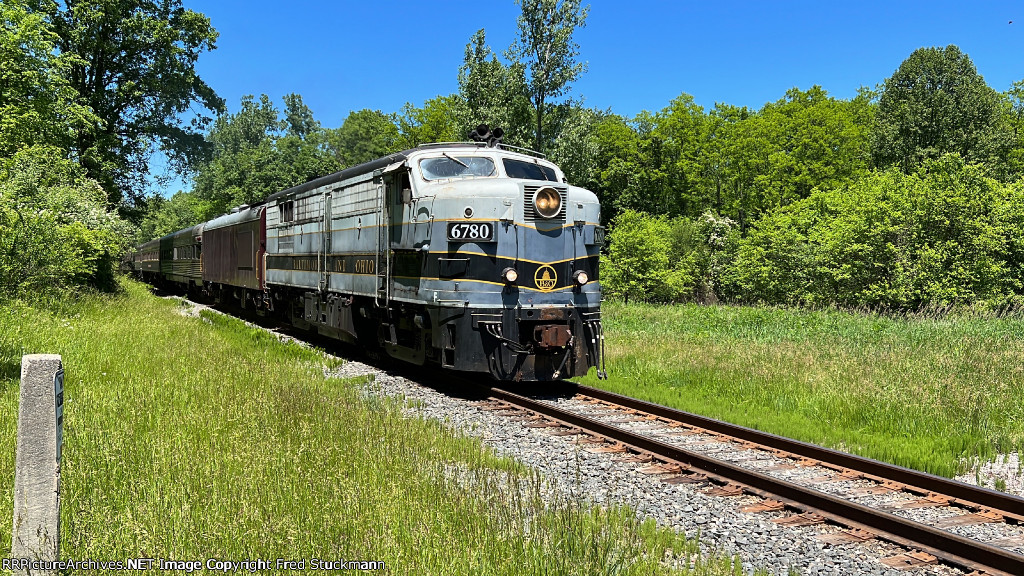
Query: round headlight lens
[510, 275]
[581, 277]
[547, 202]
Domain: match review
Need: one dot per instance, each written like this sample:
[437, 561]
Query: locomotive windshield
[528, 170]
[448, 166]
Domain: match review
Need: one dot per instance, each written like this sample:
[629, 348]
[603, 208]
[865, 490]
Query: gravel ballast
[573, 472]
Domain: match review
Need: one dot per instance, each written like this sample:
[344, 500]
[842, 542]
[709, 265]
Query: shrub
[56, 231]
[944, 235]
[660, 259]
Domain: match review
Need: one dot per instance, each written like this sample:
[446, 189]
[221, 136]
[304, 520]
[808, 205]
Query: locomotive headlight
[510, 275]
[547, 202]
[580, 277]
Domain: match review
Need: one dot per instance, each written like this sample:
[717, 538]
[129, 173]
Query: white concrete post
[36, 534]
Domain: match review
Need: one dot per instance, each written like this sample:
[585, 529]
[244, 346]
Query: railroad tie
[853, 536]
[911, 560]
[805, 519]
[726, 491]
[607, 449]
[932, 500]
[985, 517]
[767, 505]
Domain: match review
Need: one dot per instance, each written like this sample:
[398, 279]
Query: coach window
[244, 244]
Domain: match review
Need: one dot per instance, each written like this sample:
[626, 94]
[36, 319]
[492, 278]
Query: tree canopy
[134, 65]
[547, 48]
[258, 151]
[38, 105]
[936, 102]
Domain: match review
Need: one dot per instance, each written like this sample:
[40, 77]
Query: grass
[192, 438]
[921, 392]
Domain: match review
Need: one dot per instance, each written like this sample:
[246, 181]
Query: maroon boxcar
[234, 248]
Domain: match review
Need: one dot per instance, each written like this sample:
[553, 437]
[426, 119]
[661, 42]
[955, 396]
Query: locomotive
[475, 256]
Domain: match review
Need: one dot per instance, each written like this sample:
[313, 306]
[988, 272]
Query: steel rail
[956, 550]
[1009, 505]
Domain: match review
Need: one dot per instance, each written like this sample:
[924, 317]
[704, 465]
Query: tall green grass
[192, 438]
[924, 392]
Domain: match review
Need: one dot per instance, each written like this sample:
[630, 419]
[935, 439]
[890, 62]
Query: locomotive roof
[377, 164]
[353, 171]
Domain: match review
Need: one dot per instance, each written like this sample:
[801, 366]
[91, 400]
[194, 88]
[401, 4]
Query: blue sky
[343, 56]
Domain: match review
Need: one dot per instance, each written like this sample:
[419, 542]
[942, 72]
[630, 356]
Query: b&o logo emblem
[545, 278]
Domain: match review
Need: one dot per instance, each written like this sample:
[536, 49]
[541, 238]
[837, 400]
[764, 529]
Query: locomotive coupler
[552, 336]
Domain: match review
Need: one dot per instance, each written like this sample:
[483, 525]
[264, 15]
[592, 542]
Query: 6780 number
[470, 231]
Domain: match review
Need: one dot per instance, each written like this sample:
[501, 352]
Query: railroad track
[807, 484]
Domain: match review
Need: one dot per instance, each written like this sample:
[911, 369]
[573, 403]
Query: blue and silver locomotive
[477, 257]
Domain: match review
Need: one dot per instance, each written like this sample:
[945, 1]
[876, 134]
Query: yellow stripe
[474, 253]
[437, 279]
[523, 224]
[456, 253]
[483, 282]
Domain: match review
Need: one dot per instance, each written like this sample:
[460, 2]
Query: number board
[58, 407]
[471, 231]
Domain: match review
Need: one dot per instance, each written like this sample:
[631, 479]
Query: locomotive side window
[528, 170]
[448, 166]
[405, 187]
[287, 211]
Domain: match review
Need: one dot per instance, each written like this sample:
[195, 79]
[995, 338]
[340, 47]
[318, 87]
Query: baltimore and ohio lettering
[189, 566]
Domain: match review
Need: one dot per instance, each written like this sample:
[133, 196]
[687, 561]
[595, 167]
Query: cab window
[448, 166]
[528, 170]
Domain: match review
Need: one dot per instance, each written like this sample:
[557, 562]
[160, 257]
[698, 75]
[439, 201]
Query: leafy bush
[661, 259]
[56, 231]
[943, 235]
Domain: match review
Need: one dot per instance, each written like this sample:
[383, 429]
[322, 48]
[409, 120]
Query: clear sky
[343, 56]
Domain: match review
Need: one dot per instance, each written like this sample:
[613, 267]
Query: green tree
[814, 141]
[304, 147]
[494, 94]
[680, 129]
[576, 150]
[365, 135]
[946, 234]
[712, 164]
[617, 144]
[164, 216]
[1014, 115]
[641, 262]
[546, 45]
[245, 165]
[255, 152]
[439, 120]
[936, 102]
[134, 66]
[38, 106]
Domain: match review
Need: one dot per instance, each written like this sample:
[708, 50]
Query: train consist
[477, 257]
